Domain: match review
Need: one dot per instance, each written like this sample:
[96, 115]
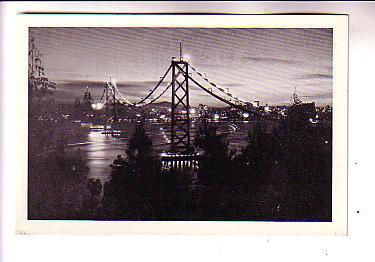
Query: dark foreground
[282, 175]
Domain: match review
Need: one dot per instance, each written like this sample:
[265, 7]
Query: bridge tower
[109, 95]
[180, 111]
[182, 154]
[87, 102]
[112, 97]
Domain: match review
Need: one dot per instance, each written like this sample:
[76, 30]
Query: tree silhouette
[38, 83]
[139, 151]
[216, 160]
[257, 154]
[130, 192]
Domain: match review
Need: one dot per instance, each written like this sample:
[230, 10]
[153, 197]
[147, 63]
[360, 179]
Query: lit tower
[112, 85]
[180, 118]
[87, 102]
[109, 94]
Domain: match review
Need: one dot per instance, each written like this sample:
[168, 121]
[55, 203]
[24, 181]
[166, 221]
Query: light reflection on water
[100, 154]
[100, 149]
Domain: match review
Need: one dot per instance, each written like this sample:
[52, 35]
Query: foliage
[216, 162]
[130, 192]
[38, 83]
[58, 187]
[283, 174]
[139, 151]
[57, 179]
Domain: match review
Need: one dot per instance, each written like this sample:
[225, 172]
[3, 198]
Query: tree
[130, 192]
[139, 150]
[38, 83]
[216, 160]
[257, 155]
[58, 187]
[57, 179]
[303, 167]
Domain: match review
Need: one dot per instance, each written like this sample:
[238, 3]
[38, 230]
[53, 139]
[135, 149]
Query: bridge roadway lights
[177, 161]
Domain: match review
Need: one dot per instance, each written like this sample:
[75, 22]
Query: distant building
[302, 112]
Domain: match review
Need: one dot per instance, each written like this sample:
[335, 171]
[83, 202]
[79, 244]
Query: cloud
[270, 60]
[315, 76]
[319, 95]
[308, 64]
[232, 84]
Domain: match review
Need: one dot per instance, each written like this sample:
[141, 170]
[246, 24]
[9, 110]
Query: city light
[312, 121]
[245, 115]
[97, 127]
[97, 106]
[216, 117]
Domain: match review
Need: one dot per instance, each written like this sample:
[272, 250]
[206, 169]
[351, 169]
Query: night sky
[255, 64]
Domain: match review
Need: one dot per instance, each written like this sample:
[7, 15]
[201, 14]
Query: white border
[340, 54]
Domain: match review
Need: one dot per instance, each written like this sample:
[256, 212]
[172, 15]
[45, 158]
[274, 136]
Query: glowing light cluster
[97, 106]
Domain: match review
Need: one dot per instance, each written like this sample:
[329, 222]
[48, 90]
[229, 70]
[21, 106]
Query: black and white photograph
[180, 124]
[188, 131]
[223, 123]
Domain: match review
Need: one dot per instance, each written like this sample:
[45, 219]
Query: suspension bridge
[180, 77]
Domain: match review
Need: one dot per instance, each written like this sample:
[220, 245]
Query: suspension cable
[122, 97]
[218, 88]
[143, 104]
[149, 94]
[156, 98]
[219, 97]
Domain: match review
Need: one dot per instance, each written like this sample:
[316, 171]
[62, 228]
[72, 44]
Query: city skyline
[255, 64]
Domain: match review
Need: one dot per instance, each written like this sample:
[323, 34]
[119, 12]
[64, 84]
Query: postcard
[182, 124]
